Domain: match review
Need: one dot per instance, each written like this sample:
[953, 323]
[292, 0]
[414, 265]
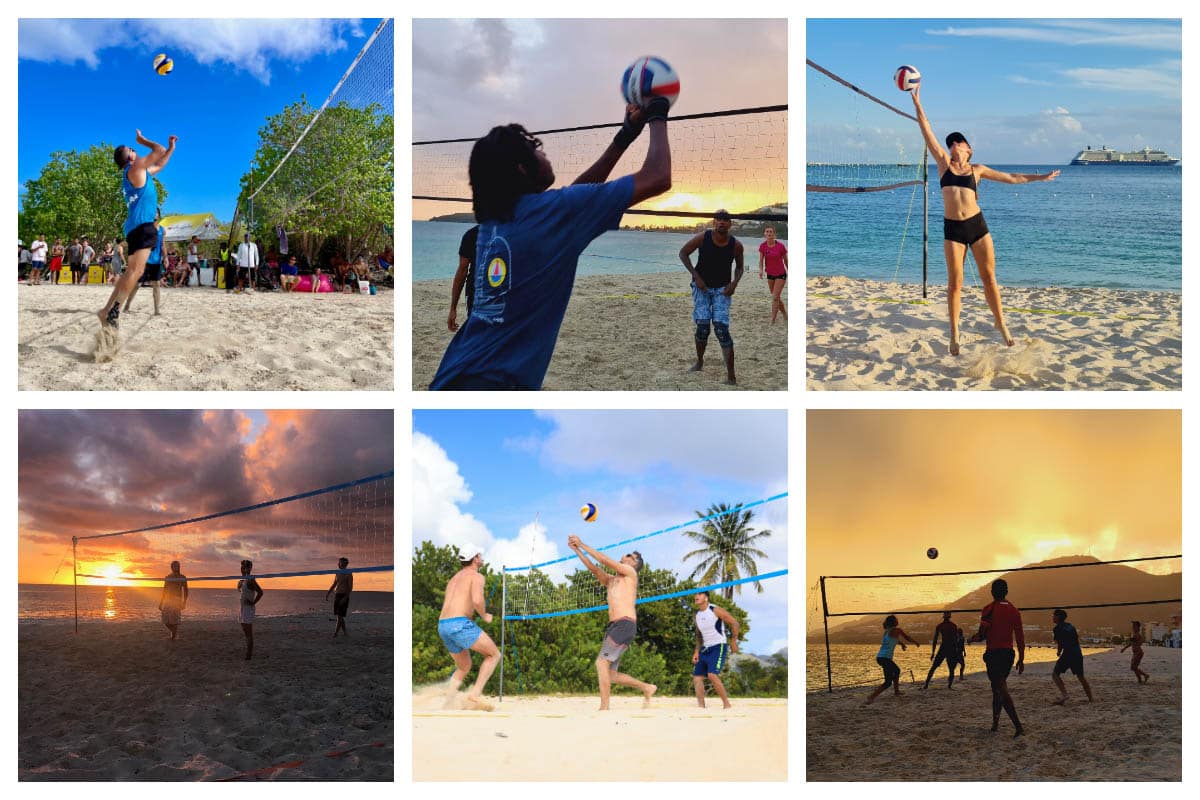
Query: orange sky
[989, 489]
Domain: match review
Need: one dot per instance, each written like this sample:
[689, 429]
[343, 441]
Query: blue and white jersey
[712, 630]
[524, 273]
[142, 202]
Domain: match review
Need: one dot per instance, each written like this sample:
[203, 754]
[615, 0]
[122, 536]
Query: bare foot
[1008, 339]
[649, 693]
[699, 365]
[731, 381]
[1059, 702]
[479, 704]
[604, 706]
[954, 347]
[727, 705]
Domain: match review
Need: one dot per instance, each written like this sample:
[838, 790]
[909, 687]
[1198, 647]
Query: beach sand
[567, 739]
[119, 701]
[630, 332]
[206, 339]
[1132, 732]
[866, 334]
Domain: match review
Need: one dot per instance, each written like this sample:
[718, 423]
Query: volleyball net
[1101, 597]
[545, 591]
[866, 160]
[296, 537]
[733, 159]
[329, 172]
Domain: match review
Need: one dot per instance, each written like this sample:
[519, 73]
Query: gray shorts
[617, 638]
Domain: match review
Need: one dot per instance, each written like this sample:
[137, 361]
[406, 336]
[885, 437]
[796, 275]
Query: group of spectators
[42, 260]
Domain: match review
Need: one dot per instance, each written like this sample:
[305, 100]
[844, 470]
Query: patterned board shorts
[710, 305]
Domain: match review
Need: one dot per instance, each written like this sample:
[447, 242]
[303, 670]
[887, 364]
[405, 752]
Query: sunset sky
[470, 75]
[989, 489]
[88, 472]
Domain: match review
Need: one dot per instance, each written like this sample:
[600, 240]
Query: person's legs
[604, 676]
[491, 658]
[698, 683]
[248, 629]
[647, 689]
[1087, 687]
[1007, 701]
[462, 668]
[777, 291]
[721, 306]
[956, 253]
[1056, 676]
[124, 286]
[715, 680]
[985, 258]
[702, 316]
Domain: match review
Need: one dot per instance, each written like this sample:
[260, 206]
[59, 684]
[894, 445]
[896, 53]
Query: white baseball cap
[465, 548]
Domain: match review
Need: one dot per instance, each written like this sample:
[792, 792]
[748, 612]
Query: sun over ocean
[1107, 227]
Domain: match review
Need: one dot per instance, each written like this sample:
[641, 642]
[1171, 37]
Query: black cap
[956, 137]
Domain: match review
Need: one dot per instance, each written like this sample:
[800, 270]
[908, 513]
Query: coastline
[629, 332]
[120, 701]
[867, 334]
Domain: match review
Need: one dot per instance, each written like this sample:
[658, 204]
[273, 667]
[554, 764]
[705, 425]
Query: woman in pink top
[772, 255]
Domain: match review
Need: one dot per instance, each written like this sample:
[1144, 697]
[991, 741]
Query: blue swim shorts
[458, 633]
[710, 305]
[712, 660]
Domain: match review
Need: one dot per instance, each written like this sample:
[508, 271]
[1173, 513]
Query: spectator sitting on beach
[341, 271]
[361, 271]
[289, 274]
[386, 259]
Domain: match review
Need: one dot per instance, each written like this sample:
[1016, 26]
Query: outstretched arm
[615, 566]
[731, 621]
[1014, 177]
[931, 142]
[654, 177]
[158, 156]
[575, 544]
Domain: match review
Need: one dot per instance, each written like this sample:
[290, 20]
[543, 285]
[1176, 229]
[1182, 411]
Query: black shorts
[965, 231]
[782, 277]
[999, 663]
[891, 672]
[1069, 661]
[341, 604]
[143, 237]
[617, 637]
[151, 273]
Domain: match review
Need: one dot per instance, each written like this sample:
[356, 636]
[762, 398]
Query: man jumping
[622, 617]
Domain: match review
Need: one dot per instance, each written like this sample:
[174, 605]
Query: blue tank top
[142, 202]
[888, 646]
[155, 256]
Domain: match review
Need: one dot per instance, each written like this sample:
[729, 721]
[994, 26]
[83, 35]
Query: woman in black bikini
[964, 225]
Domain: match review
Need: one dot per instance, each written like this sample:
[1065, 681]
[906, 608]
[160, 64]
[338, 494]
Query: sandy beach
[566, 739]
[864, 334]
[630, 332]
[1133, 732]
[207, 339]
[122, 702]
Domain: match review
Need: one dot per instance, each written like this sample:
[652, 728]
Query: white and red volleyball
[649, 77]
[907, 78]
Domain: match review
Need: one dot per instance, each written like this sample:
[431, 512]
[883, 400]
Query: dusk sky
[512, 482]
[989, 489]
[87, 472]
[471, 75]
[1022, 91]
[75, 78]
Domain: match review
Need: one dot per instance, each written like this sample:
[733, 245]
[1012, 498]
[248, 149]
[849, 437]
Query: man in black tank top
[713, 287]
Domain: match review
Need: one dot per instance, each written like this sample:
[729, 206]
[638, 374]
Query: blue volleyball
[649, 77]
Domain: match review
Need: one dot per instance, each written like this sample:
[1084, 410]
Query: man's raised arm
[615, 566]
[575, 543]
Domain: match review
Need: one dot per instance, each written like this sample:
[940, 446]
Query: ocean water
[124, 603]
[435, 253]
[854, 664]
[1091, 227]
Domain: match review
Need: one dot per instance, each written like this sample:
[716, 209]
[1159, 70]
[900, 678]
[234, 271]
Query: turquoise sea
[435, 252]
[1092, 227]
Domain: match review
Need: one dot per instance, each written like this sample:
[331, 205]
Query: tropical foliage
[729, 547]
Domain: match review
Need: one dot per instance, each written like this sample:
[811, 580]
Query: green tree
[77, 194]
[728, 547]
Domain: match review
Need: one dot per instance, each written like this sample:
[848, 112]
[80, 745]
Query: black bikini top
[966, 181]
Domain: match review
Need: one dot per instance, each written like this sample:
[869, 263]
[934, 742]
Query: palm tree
[728, 547]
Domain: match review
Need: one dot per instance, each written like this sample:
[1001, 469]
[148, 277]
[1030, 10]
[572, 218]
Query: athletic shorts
[947, 654]
[341, 604]
[965, 231]
[710, 305]
[458, 633]
[39, 265]
[782, 277]
[712, 660]
[1069, 661]
[143, 237]
[151, 273]
[999, 663]
[617, 638]
[891, 672]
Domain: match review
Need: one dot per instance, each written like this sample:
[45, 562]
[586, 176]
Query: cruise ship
[1107, 156]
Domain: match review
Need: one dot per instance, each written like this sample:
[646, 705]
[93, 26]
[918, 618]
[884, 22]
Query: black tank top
[715, 265]
[966, 181]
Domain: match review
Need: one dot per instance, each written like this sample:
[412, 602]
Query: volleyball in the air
[163, 64]
[649, 77]
[906, 79]
[931, 552]
[588, 512]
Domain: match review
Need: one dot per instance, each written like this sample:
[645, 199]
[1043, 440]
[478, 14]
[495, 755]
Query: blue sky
[79, 82]
[484, 476]
[1022, 91]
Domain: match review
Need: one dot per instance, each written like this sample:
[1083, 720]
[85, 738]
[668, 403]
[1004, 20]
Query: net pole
[825, 622]
[925, 213]
[75, 578]
[503, 625]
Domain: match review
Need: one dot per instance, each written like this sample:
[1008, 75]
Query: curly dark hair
[495, 169]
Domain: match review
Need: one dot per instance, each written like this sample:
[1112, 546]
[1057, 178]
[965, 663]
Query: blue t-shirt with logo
[524, 272]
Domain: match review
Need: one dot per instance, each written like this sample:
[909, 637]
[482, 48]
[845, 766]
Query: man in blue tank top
[141, 198]
[529, 244]
[713, 287]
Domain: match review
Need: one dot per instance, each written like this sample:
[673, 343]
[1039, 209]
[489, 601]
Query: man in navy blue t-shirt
[529, 243]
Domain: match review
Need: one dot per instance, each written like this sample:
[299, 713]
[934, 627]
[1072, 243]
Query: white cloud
[438, 491]
[776, 646]
[1161, 79]
[1074, 33]
[251, 45]
[531, 546]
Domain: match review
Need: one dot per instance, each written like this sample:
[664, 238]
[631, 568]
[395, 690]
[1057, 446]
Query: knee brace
[702, 329]
[723, 334]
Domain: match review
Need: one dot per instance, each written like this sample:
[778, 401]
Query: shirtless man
[947, 631]
[460, 634]
[622, 617]
[343, 585]
[173, 599]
